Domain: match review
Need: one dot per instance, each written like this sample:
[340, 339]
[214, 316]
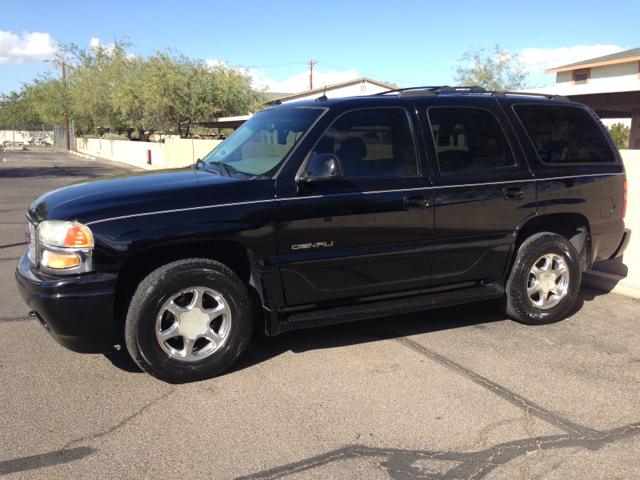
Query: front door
[371, 234]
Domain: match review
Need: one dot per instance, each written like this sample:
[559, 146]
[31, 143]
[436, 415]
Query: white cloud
[297, 83]
[30, 48]
[95, 44]
[538, 60]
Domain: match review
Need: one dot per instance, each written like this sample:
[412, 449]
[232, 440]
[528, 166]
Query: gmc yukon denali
[318, 212]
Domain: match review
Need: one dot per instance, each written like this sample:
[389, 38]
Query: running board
[391, 307]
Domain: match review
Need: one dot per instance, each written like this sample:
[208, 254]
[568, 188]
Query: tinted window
[261, 144]
[374, 142]
[565, 134]
[469, 139]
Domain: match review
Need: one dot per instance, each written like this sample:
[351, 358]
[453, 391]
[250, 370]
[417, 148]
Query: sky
[410, 43]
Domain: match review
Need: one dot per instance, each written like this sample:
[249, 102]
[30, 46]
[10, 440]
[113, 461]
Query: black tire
[518, 303]
[147, 315]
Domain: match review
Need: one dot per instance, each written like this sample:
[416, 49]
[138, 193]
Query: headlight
[65, 234]
[65, 247]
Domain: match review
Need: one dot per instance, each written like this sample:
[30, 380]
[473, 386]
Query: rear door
[483, 187]
[371, 234]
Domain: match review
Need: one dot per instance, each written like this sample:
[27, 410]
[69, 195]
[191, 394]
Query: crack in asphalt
[469, 464]
[401, 464]
[122, 423]
[501, 391]
[17, 466]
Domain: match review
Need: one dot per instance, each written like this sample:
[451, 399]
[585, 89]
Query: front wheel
[189, 320]
[544, 281]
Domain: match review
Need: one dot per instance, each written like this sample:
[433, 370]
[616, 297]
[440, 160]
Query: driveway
[459, 392]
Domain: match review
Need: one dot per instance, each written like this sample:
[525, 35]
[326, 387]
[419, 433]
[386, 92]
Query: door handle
[413, 202]
[513, 193]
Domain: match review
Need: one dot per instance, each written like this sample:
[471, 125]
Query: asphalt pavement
[459, 392]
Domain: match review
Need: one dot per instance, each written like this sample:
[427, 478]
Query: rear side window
[565, 134]
[375, 142]
[469, 139]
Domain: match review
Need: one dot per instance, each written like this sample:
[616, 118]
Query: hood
[130, 192]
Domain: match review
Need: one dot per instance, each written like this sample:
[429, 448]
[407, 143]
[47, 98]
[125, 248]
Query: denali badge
[303, 246]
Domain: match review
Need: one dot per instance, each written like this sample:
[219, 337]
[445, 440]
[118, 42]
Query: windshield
[259, 145]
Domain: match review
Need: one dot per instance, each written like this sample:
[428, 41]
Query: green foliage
[107, 86]
[15, 108]
[114, 136]
[493, 70]
[620, 133]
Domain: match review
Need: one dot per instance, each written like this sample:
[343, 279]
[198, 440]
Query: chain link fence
[60, 138]
[39, 137]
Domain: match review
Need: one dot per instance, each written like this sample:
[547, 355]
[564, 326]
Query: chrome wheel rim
[548, 281]
[193, 324]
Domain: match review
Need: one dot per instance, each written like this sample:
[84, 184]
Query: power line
[373, 74]
[279, 65]
[386, 77]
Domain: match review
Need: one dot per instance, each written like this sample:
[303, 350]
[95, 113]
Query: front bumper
[77, 311]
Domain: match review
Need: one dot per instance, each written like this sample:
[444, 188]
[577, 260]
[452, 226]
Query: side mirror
[323, 168]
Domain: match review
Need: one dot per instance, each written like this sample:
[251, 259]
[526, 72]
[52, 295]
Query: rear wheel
[544, 281]
[188, 321]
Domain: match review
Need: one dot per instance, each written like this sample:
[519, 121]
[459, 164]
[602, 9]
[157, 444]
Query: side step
[391, 307]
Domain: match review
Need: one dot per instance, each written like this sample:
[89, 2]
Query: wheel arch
[573, 226]
[135, 268]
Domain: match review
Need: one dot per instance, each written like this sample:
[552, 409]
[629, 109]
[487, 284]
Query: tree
[93, 75]
[106, 86]
[493, 70]
[181, 91]
[15, 108]
[620, 133]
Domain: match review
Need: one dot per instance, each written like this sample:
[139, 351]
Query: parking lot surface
[459, 392]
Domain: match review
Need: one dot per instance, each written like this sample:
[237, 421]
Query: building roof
[328, 88]
[274, 95]
[620, 57]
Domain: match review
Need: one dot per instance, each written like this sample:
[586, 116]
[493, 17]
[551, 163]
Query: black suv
[325, 211]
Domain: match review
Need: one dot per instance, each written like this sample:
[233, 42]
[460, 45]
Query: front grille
[31, 237]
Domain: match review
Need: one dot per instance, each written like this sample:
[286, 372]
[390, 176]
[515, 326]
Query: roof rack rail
[435, 91]
[550, 96]
[406, 89]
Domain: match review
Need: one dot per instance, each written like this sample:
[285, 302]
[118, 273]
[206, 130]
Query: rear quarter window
[563, 134]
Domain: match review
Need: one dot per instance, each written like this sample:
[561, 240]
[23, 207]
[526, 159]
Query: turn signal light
[625, 194]
[77, 238]
[59, 261]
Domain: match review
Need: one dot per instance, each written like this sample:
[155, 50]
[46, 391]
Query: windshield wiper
[223, 167]
[205, 165]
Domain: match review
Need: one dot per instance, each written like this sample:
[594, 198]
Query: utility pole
[66, 117]
[311, 64]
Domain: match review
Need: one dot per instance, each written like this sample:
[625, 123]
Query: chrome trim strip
[178, 210]
[528, 180]
[580, 176]
[276, 199]
[353, 193]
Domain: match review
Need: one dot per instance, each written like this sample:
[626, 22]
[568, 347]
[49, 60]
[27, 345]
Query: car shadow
[477, 314]
[262, 348]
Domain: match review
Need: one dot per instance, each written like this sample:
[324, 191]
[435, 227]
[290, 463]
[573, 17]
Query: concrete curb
[627, 286]
[90, 156]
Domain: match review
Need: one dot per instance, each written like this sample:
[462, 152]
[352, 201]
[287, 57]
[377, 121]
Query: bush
[620, 133]
[114, 136]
